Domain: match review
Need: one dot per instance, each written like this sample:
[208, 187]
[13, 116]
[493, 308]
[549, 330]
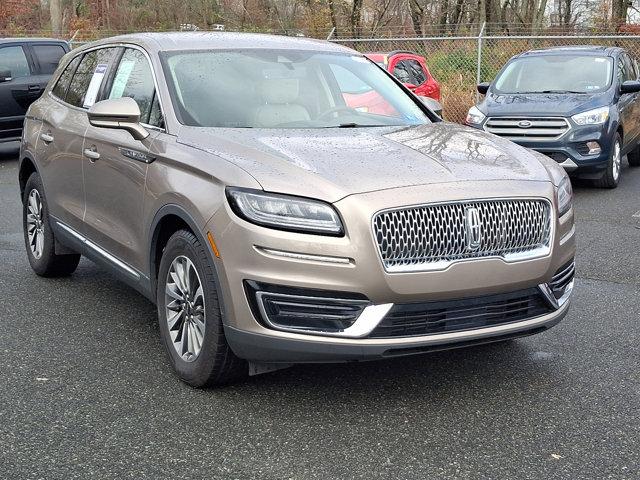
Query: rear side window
[48, 57]
[134, 79]
[14, 60]
[62, 85]
[401, 72]
[629, 68]
[417, 72]
[93, 63]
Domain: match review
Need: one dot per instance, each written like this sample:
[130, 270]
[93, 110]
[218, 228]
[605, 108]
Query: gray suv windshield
[285, 89]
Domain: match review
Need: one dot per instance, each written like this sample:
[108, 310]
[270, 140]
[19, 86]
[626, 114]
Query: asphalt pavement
[86, 391]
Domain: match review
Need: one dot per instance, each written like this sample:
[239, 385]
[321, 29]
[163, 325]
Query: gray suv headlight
[285, 212]
[564, 196]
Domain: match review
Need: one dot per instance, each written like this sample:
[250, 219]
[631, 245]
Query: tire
[204, 358]
[633, 157]
[39, 238]
[611, 175]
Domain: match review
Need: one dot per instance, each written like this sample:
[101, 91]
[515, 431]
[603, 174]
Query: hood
[330, 164]
[537, 104]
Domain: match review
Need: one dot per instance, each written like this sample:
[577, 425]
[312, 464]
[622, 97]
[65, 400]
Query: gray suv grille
[430, 237]
[541, 128]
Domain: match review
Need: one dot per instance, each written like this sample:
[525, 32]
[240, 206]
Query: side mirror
[120, 113]
[410, 86]
[433, 105]
[5, 76]
[630, 86]
[483, 88]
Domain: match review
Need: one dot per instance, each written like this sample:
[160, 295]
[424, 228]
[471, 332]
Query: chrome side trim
[369, 319]
[99, 250]
[303, 256]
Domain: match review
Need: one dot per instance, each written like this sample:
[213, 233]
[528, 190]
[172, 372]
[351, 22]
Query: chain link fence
[459, 63]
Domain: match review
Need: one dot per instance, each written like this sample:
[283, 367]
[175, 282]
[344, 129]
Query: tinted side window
[622, 70]
[155, 117]
[418, 73]
[83, 75]
[48, 57]
[401, 72]
[134, 79]
[14, 60]
[61, 86]
[629, 68]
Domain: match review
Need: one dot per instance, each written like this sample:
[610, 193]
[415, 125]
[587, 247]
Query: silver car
[286, 200]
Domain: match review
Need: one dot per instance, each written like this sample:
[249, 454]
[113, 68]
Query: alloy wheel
[185, 308]
[617, 160]
[35, 224]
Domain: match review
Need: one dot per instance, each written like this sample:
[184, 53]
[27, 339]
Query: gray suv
[232, 180]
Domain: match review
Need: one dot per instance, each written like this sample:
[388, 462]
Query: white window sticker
[122, 77]
[94, 85]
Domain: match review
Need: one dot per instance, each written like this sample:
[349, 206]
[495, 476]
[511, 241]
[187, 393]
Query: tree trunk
[334, 19]
[416, 17]
[619, 12]
[356, 18]
[55, 11]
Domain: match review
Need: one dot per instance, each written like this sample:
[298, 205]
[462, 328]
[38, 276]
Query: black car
[578, 105]
[26, 64]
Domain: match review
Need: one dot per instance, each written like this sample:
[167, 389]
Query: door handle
[91, 154]
[34, 88]
[46, 137]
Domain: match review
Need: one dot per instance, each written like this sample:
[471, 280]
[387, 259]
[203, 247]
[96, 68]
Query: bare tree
[55, 11]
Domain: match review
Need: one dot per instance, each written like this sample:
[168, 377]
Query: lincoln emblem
[473, 228]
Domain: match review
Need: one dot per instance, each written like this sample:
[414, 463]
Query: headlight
[592, 117]
[475, 116]
[564, 196]
[285, 212]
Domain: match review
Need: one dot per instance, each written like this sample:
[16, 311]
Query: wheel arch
[168, 220]
[26, 168]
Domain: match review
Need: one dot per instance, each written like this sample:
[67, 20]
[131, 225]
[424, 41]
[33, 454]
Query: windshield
[556, 74]
[284, 89]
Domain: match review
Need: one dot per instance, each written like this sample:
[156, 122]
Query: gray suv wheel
[190, 316]
[38, 236]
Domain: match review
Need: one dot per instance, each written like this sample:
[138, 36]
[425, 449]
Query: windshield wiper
[554, 91]
[353, 125]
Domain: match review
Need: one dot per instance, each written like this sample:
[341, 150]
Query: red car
[411, 70]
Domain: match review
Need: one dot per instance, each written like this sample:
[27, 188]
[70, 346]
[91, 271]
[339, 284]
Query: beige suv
[286, 200]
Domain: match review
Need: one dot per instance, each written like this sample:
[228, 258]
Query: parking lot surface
[86, 390]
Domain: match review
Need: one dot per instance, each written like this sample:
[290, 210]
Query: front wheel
[190, 316]
[611, 175]
[39, 238]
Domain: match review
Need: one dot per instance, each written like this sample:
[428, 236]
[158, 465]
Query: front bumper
[277, 348]
[352, 264]
[570, 152]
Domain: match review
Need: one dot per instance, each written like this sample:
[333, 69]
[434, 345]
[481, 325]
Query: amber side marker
[214, 247]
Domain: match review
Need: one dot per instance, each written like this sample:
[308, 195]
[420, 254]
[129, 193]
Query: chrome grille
[518, 128]
[430, 237]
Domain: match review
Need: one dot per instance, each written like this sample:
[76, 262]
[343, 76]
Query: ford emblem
[524, 124]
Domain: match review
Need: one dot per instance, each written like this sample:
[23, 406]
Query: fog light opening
[594, 148]
[292, 312]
